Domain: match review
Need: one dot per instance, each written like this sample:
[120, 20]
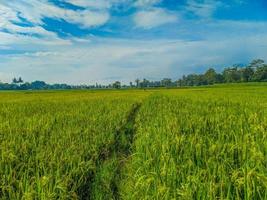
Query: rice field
[192, 143]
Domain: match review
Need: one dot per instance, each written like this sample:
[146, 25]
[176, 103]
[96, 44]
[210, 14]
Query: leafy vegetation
[52, 143]
[256, 71]
[200, 144]
[195, 143]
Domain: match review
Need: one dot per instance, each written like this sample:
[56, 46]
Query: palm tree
[137, 81]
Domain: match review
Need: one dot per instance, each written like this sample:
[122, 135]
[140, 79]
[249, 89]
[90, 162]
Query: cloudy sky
[89, 41]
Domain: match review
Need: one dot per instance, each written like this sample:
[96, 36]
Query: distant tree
[25, 86]
[144, 83]
[116, 85]
[20, 80]
[183, 81]
[201, 80]
[166, 82]
[219, 78]
[246, 74]
[210, 76]
[231, 75]
[256, 63]
[14, 80]
[137, 81]
[260, 74]
[37, 85]
[179, 83]
[192, 79]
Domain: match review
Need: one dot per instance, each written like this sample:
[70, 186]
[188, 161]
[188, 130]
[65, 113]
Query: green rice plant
[51, 143]
[200, 144]
[193, 143]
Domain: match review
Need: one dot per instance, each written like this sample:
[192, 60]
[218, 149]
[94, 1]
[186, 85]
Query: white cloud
[92, 59]
[151, 18]
[12, 40]
[34, 11]
[91, 63]
[145, 3]
[7, 18]
[126, 60]
[204, 9]
[7, 14]
[99, 4]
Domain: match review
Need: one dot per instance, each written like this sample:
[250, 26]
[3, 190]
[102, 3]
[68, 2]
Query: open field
[193, 143]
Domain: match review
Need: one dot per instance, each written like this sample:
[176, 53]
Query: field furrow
[109, 171]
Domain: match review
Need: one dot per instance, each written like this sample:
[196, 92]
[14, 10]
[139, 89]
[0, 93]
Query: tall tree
[210, 76]
[256, 63]
[144, 83]
[231, 75]
[246, 74]
[14, 80]
[260, 73]
[137, 81]
[117, 85]
[37, 85]
[20, 80]
[166, 82]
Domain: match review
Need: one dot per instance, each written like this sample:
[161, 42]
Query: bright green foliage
[197, 143]
[200, 144]
[52, 143]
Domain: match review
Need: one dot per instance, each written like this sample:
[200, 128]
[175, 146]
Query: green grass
[192, 143]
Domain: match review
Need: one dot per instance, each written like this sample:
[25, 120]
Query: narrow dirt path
[104, 183]
[124, 140]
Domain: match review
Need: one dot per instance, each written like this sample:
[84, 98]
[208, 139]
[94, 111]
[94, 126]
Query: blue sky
[89, 41]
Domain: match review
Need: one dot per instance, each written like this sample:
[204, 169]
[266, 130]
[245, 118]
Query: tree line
[255, 71]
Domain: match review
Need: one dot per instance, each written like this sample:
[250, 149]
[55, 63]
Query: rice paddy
[193, 143]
